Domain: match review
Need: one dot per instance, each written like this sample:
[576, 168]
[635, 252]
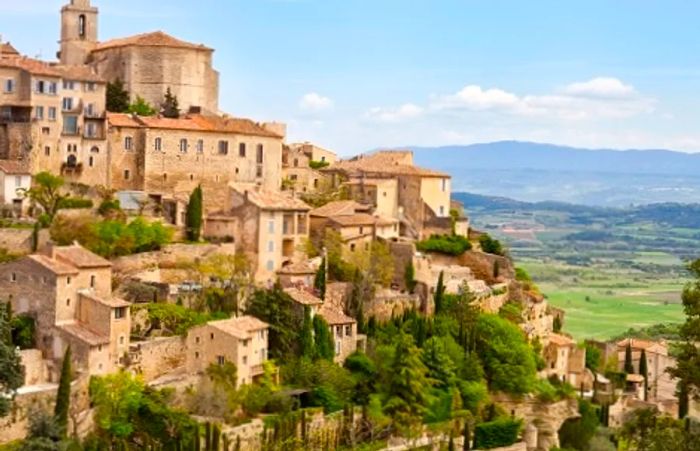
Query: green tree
[629, 365]
[644, 372]
[276, 308]
[593, 357]
[408, 386]
[687, 368]
[306, 337]
[117, 97]
[141, 108]
[323, 339]
[11, 369]
[440, 366]
[62, 406]
[193, 215]
[577, 433]
[47, 192]
[320, 279]
[44, 433]
[170, 106]
[439, 293]
[410, 276]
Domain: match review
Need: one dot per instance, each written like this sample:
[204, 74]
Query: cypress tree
[215, 437]
[439, 293]
[467, 437]
[238, 443]
[63, 395]
[170, 106]
[645, 373]
[629, 366]
[117, 97]
[307, 336]
[193, 215]
[320, 279]
[35, 236]
[451, 444]
[410, 277]
[207, 436]
[325, 348]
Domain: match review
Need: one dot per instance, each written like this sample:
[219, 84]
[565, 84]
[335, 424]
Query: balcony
[94, 134]
[71, 131]
[256, 370]
[71, 169]
[94, 115]
[76, 108]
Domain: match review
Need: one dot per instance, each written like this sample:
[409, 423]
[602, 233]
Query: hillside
[538, 172]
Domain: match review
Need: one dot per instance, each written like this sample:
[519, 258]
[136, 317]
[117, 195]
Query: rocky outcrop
[547, 418]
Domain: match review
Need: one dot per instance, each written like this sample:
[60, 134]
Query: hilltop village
[174, 277]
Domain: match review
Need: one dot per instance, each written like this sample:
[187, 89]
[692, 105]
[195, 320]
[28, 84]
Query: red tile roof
[339, 207]
[83, 334]
[384, 163]
[80, 257]
[153, 39]
[6, 49]
[14, 167]
[268, 199]
[194, 123]
[79, 73]
[334, 317]
[239, 327]
[359, 219]
[33, 66]
[55, 266]
[303, 297]
[109, 302]
[298, 268]
[561, 340]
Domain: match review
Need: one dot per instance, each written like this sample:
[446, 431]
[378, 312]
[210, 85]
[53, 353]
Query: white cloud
[403, 112]
[473, 97]
[314, 102]
[603, 87]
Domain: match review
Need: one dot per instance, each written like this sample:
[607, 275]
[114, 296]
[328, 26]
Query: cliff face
[542, 420]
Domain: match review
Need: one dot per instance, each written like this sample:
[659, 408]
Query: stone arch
[72, 161]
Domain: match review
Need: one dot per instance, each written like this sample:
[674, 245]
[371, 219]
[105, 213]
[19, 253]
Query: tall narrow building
[78, 32]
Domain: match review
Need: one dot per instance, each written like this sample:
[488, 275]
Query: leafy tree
[687, 368]
[491, 245]
[577, 433]
[276, 308]
[323, 339]
[376, 264]
[62, 406]
[11, 369]
[44, 433]
[556, 324]
[440, 366]
[410, 277]
[593, 357]
[47, 193]
[117, 97]
[439, 293]
[193, 215]
[408, 386]
[306, 337]
[364, 373]
[648, 430]
[445, 244]
[508, 360]
[232, 273]
[320, 279]
[141, 108]
[629, 365]
[170, 106]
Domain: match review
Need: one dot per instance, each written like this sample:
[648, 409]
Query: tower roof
[153, 39]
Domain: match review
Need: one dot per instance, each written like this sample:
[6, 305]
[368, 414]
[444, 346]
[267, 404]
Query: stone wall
[170, 256]
[19, 241]
[387, 303]
[35, 368]
[156, 357]
[403, 252]
[482, 266]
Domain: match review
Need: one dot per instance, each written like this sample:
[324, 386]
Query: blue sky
[355, 75]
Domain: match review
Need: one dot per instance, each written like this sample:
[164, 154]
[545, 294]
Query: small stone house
[566, 361]
[242, 341]
[298, 274]
[659, 383]
[14, 176]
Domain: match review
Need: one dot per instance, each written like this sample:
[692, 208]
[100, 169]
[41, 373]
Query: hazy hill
[538, 172]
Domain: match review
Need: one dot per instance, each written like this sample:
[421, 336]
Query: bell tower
[78, 32]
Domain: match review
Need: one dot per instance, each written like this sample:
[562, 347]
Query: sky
[356, 75]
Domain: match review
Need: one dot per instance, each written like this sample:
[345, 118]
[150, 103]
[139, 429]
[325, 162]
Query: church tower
[78, 32]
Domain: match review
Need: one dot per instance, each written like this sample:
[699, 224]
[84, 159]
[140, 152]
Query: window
[165, 177]
[91, 162]
[13, 277]
[47, 151]
[348, 330]
[99, 348]
[81, 26]
[18, 181]
[126, 174]
[223, 147]
[442, 210]
[271, 246]
[67, 103]
[444, 184]
[158, 144]
[259, 171]
[315, 183]
[90, 110]
[53, 87]
[92, 281]
[191, 177]
[362, 230]
[52, 113]
[40, 87]
[220, 360]
[352, 247]
[68, 302]
[200, 146]
[337, 347]
[211, 336]
[90, 130]
[120, 313]
[68, 85]
[90, 86]
[39, 112]
[260, 154]
[128, 142]
[296, 162]
[67, 280]
[9, 85]
[196, 340]
[95, 149]
[270, 265]
[323, 159]
[245, 343]
[271, 226]
[293, 177]
[70, 125]
[196, 355]
[245, 360]
[183, 146]
[121, 340]
[241, 150]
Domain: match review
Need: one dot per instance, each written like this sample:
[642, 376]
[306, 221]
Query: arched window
[81, 25]
[95, 149]
[72, 161]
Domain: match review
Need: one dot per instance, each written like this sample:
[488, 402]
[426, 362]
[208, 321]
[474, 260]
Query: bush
[171, 319]
[490, 245]
[445, 244]
[74, 203]
[497, 433]
[318, 164]
[108, 206]
[23, 328]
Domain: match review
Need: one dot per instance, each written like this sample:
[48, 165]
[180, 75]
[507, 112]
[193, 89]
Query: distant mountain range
[543, 172]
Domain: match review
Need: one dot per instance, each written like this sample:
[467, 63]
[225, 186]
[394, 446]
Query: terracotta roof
[194, 123]
[385, 221]
[109, 302]
[334, 317]
[561, 340]
[635, 378]
[239, 327]
[303, 297]
[14, 167]
[268, 199]
[80, 73]
[338, 207]
[80, 257]
[358, 219]
[384, 162]
[55, 266]
[298, 268]
[637, 343]
[83, 334]
[153, 39]
[6, 49]
[33, 66]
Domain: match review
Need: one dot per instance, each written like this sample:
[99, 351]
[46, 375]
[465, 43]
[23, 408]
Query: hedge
[445, 244]
[497, 433]
[74, 203]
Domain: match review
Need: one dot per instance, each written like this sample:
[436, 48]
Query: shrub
[490, 245]
[445, 244]
[108, 206]
[497, 433]
[74, 203]
[23, 328]
[318, 164]
[171, 319]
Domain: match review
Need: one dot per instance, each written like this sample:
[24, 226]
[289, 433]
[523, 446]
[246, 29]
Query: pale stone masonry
[68, 291]
[241, 341]
[296, 169]
[14, 177]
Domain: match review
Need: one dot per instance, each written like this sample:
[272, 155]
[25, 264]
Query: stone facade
[661, 385]
[157, 357]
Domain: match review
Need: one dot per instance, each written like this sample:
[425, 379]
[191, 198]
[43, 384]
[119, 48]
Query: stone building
[168, 158]
[389, 181]
[241, 341]
[52, 117]
[268, 226]
[14, 177]
[660, 385]
[68, 292]
[566, 361]
[301, 164]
